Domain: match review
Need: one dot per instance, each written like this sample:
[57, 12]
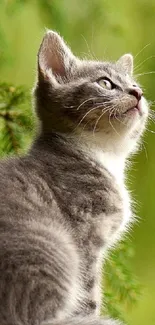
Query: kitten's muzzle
[137, 93]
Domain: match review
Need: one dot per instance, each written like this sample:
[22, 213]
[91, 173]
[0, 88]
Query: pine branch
[122, 289]
[16, 122]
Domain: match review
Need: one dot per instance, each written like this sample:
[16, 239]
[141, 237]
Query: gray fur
[61, 208]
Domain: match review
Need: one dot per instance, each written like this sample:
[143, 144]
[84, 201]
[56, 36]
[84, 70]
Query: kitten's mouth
[136, 109]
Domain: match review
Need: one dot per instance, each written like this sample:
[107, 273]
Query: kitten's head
[98, 101]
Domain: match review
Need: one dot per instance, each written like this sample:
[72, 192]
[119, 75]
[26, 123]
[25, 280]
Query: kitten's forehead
[95, 70]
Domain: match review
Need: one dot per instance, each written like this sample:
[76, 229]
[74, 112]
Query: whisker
[145, 150]
[152, 116]
[85, 101]
[116, 111]
[105, 106]
[142, 50]
[151, 112]
[92, 109]
[113, 110]
[93, 98]
[145, 73]
[151, 131]
[97, 121]
[84, 126]
[113, 127]
[88, 48]
[92, 35]
[151, 119]
[116, 117]
[80, 135]
[139, 65]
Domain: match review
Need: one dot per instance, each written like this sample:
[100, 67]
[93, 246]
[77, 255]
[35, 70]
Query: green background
[105, 30]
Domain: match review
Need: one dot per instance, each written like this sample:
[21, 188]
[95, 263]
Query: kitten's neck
[113, 163]
[110, 160]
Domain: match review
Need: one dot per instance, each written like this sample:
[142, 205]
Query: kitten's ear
[55, 59]
[126, 62]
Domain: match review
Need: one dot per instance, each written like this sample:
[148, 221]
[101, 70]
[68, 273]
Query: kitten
[64, 203]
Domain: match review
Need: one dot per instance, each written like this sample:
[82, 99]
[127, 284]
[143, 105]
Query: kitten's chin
[121, 134]
[118, 135]
[131, 126]
[132, 121]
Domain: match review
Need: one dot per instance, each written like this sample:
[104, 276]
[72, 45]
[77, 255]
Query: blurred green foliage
[16, 121]
[95, 29]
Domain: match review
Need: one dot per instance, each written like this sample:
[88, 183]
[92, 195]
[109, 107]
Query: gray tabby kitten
[64, 203]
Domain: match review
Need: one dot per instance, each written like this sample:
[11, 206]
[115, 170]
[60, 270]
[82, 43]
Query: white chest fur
[115, 165]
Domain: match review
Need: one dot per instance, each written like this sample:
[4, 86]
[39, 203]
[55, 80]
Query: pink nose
[137, 92]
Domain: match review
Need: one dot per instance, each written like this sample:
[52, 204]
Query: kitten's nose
[137, 92]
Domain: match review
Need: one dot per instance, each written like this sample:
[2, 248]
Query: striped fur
[64, 203]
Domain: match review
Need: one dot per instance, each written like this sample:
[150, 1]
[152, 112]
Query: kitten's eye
[105, 83]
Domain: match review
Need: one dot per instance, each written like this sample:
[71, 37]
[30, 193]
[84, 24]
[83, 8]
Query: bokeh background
[105, 30]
